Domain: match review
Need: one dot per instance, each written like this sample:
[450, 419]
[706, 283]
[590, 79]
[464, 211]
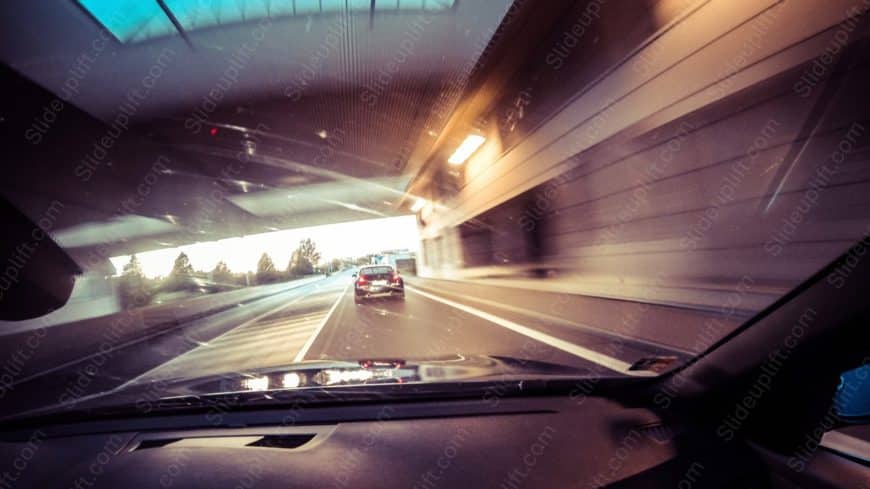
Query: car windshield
[197, 193]
[375, 270]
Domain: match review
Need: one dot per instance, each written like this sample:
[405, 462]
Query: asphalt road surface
[319, 320]
[325, 324]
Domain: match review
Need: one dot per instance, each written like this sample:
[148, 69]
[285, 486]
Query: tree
[265, 264]
[133, 268]
[133, 288]
[221, 273]
[308, 250]
[266, 271]
[181, 276]
[296, 268]
[303, 259]
[182, 268]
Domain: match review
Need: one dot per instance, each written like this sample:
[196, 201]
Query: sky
[349, 239]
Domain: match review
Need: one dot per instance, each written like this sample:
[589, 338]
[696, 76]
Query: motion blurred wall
[674, 153]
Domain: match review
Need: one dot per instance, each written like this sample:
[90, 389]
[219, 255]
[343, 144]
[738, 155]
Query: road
[319, 320]
[325, 323]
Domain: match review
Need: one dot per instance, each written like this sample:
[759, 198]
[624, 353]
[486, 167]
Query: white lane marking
[274, 327]
[557, 320]
[307, 345]
[207, 343]
[582, 352]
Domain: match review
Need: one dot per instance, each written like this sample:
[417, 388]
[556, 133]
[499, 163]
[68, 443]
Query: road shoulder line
[609, 362]
[307, 346]
[253, 320]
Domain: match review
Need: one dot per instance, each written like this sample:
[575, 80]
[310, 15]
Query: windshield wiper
[321, 383]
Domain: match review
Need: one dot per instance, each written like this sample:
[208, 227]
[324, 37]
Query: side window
[851, 438]
[852, 400]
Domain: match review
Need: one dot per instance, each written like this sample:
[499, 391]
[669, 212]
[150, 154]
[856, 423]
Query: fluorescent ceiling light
[465, 149]
[138, 20]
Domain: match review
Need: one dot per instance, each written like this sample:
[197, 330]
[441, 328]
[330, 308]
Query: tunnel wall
[727, 152]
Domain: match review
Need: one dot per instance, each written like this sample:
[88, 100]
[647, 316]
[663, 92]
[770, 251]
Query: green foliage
[303, 259]
[266, 271]
[181, 276]
[181, 268]
[133, 287]
[221, 273]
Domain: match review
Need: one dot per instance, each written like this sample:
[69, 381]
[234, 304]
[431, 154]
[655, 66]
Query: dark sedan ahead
[378, 281]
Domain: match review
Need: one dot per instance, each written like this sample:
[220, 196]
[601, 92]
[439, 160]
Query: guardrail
[37, 350]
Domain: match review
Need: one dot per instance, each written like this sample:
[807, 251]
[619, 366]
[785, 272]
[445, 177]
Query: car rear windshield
[375, 271]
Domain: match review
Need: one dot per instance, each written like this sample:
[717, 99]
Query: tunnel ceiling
[231, 129]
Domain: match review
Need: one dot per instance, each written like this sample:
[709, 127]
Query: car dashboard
[574, 441]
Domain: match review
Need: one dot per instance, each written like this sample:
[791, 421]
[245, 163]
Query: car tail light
[361, 280]
[395, 277]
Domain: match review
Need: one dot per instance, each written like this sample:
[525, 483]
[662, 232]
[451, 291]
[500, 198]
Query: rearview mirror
[39, 275]
[354, 275]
